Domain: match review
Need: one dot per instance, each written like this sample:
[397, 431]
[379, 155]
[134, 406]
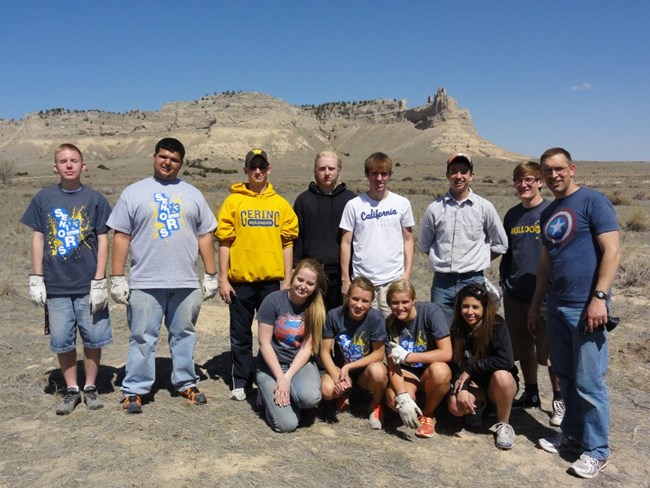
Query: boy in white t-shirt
[377, 233]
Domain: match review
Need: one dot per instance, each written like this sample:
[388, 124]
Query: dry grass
[226, 443]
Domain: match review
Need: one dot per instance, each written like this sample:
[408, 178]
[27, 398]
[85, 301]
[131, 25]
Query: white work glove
[398, 353]
[120, 289]
[210, 285]
[408, 410]
[37, 292]
[98, 295]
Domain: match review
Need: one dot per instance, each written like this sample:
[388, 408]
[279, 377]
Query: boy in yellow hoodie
[256, 229]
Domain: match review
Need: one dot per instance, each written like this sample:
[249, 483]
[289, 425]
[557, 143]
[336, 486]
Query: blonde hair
[399, 286]
[315, 312]
[328, 154]
[69, 147]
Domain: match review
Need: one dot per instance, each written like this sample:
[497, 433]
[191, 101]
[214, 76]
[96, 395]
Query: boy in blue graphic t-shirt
[69, 254]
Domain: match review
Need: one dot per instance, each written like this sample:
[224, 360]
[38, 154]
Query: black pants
[243, 305]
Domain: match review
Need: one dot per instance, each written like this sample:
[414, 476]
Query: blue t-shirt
[354, 338]
[569, 230]
[420, 334]
[288, 321]
[518, 268]
[70, 223]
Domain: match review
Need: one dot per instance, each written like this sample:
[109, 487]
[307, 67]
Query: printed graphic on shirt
[352, 349]
[260, 218]
[561, 226]
[67, 231]
[168, 219]
[289, 330]
[534, 229]
[418, 344]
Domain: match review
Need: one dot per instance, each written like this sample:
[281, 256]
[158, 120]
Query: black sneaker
[132, 404]
[527, 400]
[194, 396]
[71, 399]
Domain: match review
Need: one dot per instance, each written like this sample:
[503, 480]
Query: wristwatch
[601, 295]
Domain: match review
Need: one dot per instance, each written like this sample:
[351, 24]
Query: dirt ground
[226, 443]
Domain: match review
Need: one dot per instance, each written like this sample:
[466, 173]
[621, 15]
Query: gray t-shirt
[164, 220]
[288, 323]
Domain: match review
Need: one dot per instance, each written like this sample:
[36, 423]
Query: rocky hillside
[222, 127]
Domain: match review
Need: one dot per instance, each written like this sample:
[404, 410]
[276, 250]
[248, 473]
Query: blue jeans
[67, 313]
[180, 309]
[445, 286]
[580, 363]
[305, 393]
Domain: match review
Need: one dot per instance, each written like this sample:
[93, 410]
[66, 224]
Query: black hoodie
[319, 216]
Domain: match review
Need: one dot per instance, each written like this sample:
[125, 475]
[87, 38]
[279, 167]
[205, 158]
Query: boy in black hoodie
[319, 211]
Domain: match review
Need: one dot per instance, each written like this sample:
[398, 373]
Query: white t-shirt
[377, 240]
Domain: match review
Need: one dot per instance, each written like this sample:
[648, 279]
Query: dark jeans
[247, 300]
[333, 297]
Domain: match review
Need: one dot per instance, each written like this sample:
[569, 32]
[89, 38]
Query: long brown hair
[482, 332]
[399, 286]
[315, 311]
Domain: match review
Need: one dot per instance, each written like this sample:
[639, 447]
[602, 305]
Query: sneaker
[343, 404]
[238, 394]
[587, 466]
[474, 421]
[376, 418]
[427, 426]
[132, 404]
[91, 398]
[561, 442]
[558, 413]
[527, 400]
[71, 399]
[194, 396]
[504, 435]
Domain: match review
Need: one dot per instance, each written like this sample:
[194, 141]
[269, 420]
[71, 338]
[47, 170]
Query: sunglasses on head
[476, 290]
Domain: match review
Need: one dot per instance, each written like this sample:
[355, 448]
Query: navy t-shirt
[569, 230]
[70, 223]
[354, 339]
[420, 334]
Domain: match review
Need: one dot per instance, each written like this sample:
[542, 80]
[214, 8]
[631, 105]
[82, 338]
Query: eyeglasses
[529, 180]
[558, 171]
[261, 166]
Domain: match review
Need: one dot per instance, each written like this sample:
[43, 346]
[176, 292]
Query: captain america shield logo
[560, 227]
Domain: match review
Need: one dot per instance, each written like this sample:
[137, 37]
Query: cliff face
[224, 126]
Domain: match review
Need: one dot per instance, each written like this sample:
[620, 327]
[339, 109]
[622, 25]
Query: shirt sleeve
[348, 217]
[298, 243]
[495, 231]
[376, 326]
[427, 231]
[226, 230]
[329, 331]
[119, 219]
[289, 231]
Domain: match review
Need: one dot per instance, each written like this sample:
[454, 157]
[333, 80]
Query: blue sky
[533, 74]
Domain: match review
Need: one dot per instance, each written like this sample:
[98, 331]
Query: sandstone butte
[222, 127]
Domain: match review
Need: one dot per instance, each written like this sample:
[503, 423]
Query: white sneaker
[561, 442]
[557, 414]
[587, 466]
[505, 435]
[238, 394]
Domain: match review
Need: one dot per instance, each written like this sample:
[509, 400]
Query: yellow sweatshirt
[259, 227]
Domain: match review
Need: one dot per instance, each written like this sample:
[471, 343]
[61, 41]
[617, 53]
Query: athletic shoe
[587, 466]
[194, 396]
[343, 404]
[558, 413]
[91, 398]
[561, 442]
[238, 394]
[427, 427]
[527, 400]
[132, 404]
[376, 417]
[473, 421]
[504, 435]
[71, 399]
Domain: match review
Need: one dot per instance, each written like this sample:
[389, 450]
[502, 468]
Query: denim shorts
[67, 313]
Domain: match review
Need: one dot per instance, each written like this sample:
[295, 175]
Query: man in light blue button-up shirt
[461, 233]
